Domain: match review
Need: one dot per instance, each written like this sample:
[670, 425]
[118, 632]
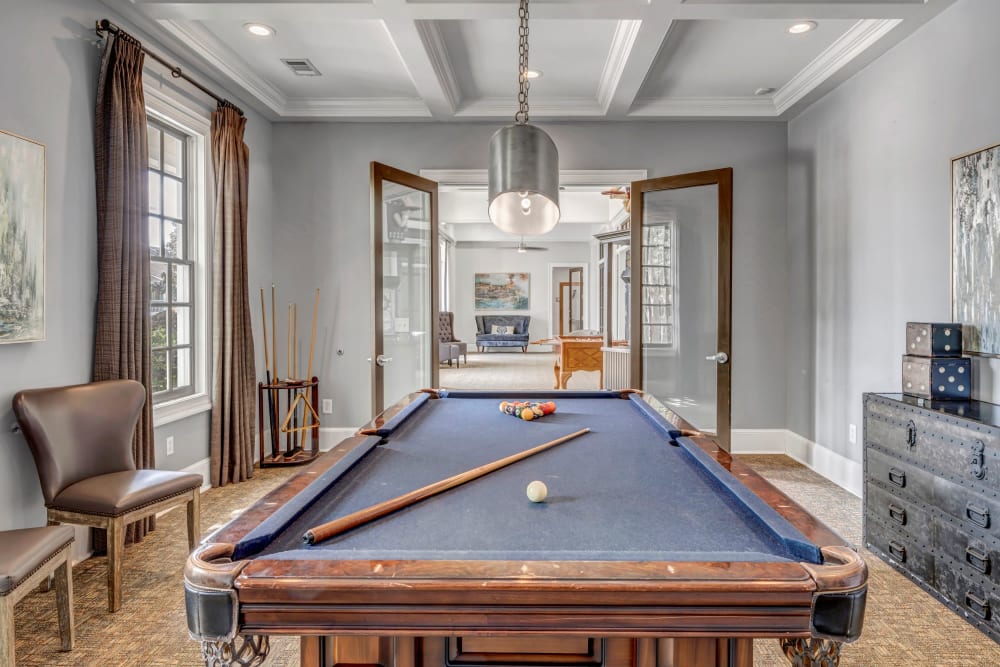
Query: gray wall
[869, 215]
[49, 90]
[322, 229]
[470, 261]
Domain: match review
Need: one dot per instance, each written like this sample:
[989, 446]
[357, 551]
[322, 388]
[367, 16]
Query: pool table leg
[243, 651]
[812, 652]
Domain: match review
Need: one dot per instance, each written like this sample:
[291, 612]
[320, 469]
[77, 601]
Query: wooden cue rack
[295, 451]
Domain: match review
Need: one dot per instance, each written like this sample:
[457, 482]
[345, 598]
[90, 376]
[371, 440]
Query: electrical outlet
[170, 445]
[852, 433]
[327, 406]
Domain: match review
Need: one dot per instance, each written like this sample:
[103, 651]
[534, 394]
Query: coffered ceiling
[600, 59]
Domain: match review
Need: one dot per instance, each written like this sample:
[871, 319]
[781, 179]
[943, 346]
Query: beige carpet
[512, 370]
[904, 626]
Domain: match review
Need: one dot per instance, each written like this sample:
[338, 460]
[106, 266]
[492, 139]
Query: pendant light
[524, 163]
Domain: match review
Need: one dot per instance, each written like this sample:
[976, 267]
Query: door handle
[718, 357]
[382, 360]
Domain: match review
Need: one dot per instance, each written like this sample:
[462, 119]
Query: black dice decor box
[933, 366]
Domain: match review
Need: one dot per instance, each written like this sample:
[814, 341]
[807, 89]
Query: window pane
[180, 326]
[180, 283]
[154, 192]
[155, 237]
[173, 155]
[154, 147]
[158, 327]
[158, 281]
[159, 371]
[180, 368]
[173, 239]
[173, 198]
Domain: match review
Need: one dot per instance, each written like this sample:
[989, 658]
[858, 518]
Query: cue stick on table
[333, 528]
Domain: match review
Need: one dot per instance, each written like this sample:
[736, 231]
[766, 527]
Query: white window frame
[196, 124]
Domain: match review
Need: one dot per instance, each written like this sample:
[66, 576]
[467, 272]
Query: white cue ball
[537, 491]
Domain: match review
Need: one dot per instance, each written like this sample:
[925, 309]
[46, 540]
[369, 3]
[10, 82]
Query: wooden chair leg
[64, 601]
[46, 585]
[7, 631]
[194, 519]
[116, 553]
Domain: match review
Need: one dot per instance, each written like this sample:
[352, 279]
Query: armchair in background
[449, 346]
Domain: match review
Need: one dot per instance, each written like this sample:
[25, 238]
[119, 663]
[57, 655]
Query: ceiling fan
[523, 247]
[520, 247]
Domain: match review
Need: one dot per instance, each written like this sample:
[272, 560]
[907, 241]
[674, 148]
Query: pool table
[653, 547]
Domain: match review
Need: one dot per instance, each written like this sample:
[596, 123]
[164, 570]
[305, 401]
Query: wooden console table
[576, 353]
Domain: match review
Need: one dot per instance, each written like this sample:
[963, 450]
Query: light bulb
[526, 206]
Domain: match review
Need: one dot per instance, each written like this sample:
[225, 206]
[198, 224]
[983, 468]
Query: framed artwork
[22, 239]
[975, 249]
[502, 291]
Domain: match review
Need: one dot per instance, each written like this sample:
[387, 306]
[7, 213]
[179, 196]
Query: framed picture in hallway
[975, 237]
[22, 239]
[502, 291]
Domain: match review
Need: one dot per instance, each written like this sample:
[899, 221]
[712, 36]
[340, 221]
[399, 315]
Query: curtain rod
[105, 26]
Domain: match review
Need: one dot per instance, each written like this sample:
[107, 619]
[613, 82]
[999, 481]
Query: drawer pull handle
[977, 606]
[898, 513]
[897, 551]
[977, 558]
[978, 461]
[978, 515]
[897, 477]
[911, 434]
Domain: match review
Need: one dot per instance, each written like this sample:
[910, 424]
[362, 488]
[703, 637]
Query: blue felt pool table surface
[632, 489]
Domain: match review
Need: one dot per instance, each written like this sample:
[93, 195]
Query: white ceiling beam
[633, 52]
[422, 53]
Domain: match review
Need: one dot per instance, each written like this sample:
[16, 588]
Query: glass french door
[405, 242]
[681, 296]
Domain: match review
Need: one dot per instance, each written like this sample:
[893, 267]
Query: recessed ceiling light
[763, 91]
[259, 29]
[801, 27]
[533, 74]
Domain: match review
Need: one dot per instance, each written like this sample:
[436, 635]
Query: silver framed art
[22, 239]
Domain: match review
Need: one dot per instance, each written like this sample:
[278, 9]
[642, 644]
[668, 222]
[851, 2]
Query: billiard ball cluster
[527, 410]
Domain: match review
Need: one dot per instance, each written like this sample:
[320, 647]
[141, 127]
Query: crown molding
[697, 107]
[614, 67]
[356, 108]
[226, 62]
[504, 107]
[437, 52]
[861, 36]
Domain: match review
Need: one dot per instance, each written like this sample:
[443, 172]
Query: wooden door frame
[723, 178]
[378, 173]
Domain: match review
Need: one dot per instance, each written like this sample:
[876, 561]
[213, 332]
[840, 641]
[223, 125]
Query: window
[444, 274]
[178, 257]
[171, 270]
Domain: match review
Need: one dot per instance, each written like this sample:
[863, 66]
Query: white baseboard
[839, 469]
[203, 468]
[329, 436]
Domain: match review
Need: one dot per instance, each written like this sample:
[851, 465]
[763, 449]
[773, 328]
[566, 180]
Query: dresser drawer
[903, 478]
[892, 510]
[977, 513]
[974, 554]
[973, 594]
[958, 449]
[901, 549]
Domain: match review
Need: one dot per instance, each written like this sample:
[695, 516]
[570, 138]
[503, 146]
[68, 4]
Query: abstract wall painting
[502, 291]
[22, 239]
[975, 228]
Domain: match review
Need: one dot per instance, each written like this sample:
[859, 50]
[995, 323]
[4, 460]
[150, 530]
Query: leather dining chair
[81, 439]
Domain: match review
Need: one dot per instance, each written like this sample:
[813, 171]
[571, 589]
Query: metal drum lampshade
[524, 180]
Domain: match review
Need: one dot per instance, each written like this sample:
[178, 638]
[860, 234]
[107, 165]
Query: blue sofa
[485, 339]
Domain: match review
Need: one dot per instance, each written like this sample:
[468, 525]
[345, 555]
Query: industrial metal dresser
[932, 498]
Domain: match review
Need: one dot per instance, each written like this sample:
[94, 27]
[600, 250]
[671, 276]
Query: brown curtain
[121, 337]
[233, 409]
